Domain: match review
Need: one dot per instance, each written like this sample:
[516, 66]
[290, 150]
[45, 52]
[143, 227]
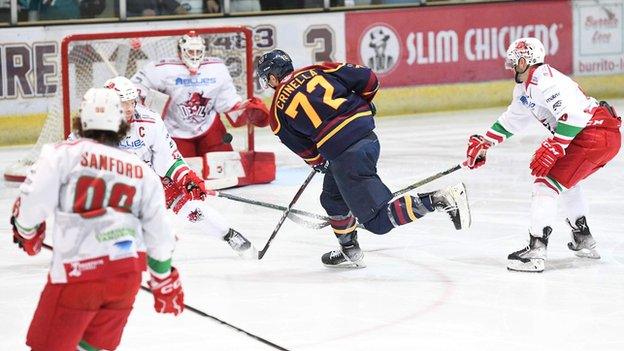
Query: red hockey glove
[545, 157]
[194, 186]
[256, 112]
[28, 240]
[168, 293]
[319, 164]
[477, 149]
[31, 243]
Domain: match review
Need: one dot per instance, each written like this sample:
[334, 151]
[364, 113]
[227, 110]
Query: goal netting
[88, 60]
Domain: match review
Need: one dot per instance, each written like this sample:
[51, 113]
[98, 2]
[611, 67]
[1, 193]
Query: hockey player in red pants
[585, 137]
[109, 226]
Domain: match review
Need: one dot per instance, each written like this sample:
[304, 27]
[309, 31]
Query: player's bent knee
[380, 224]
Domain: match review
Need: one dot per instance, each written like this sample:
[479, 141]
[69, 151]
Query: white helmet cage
[123, 87]
[100, 109]
[530, 48]
[192, 48]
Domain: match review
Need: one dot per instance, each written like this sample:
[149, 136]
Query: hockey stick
[270, 205]
[286, 212]
[427, 180]
[204, 314]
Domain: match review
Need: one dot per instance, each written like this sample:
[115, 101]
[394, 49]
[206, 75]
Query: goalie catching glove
[168, 293]
[253, 110]
[476, 152]
[29, 240]
[545, 157]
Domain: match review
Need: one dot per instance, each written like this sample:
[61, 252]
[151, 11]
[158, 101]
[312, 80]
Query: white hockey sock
[543, 208]
[198, 216]
[574, 203]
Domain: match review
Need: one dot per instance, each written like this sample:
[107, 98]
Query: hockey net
[88, 60]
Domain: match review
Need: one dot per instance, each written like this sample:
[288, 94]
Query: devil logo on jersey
[195, 108]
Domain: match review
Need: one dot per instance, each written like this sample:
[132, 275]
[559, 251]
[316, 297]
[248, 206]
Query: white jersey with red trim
[196, 99]
[108, 206]
[552, 98]
[149, 139]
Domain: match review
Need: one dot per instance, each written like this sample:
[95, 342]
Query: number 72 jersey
[323, 109]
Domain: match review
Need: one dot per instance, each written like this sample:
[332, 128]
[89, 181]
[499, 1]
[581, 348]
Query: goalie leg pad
[237, 168]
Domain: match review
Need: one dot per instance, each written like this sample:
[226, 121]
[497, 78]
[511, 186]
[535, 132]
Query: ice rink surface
[426, 287]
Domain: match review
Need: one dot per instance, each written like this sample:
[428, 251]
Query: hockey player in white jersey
[585, 137]
[109, 226]
[199, 89]
[184, 191]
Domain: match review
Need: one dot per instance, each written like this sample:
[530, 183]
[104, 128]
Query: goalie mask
[100, 109]
[531, 49]
[275, 62]
[192, 48]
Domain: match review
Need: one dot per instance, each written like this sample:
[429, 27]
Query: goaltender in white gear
[199, 89]
[148, 138]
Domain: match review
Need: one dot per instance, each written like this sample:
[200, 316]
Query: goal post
[89, 59]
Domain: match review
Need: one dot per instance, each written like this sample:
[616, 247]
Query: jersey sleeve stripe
[171, 172]
[567, 130]
[159, 268]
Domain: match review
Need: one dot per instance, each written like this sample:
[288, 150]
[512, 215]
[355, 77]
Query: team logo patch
[195, 108]
[380, 49]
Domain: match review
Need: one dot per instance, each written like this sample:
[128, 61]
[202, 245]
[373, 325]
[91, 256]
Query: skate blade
[461, 199]
[587, 253]
[535, 265]
[348, 264]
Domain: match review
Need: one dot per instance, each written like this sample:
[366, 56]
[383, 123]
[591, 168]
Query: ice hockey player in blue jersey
[324, 113]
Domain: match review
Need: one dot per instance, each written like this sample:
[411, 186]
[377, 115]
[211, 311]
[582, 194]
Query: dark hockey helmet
[275, 62]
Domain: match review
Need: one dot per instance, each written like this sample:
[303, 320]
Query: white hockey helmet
[100, 109]
[530, 48]
[123, 87]
[192, 48]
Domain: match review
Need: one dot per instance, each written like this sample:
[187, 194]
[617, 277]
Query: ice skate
[454, 201]
[348, 256]
[240, 244]
[583, 243]
[533, 257]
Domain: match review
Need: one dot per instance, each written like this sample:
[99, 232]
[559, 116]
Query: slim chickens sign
[415, 46]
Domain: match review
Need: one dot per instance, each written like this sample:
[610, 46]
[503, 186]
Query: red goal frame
[153, 33]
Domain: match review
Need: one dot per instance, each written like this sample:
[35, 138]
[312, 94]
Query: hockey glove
[257, 112]
[545, 157]
[168, 293]
[29, 240]
[319, 164]
[194, 186]
[476, 152]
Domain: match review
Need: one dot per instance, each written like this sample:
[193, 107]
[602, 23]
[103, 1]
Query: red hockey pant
[93, 311]
[590, 150]
[210, 141]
